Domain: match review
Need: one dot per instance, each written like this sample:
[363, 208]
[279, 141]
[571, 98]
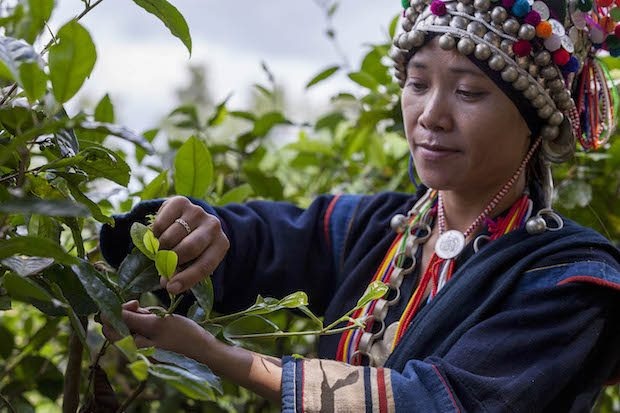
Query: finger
[110, 333]
[174, 234]
[170, 210]
[192, 246]
[144, 324]
[132, 305]
[163, 281]
[142, 341]
[199, 269]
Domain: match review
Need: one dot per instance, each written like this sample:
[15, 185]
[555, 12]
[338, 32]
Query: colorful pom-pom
[544, 30]
[617, 30]
[561, 57]
[584, 5]
[533, 18]
[604, 3]
[612, 42]
[572, 66]
[614, 52]
[597, 35]
[520, 8]
[405, 3]
[615, 14]
[508, 3]
[522, 48]
[438, 8]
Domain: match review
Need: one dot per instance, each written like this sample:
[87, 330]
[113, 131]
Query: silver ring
[184, 224]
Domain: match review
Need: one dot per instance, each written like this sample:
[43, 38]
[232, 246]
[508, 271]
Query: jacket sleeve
[544, 347]
[275, 248]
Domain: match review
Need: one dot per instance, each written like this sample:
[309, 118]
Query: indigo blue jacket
[530, 323]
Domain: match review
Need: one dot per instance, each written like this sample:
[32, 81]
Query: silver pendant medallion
[450, 244]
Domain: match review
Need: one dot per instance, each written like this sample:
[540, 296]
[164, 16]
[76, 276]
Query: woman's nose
[436, 112]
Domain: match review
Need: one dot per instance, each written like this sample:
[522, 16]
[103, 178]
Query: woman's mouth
[434, 152]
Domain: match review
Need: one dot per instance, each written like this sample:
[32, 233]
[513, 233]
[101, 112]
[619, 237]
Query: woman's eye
[417, 86]
[469, 94]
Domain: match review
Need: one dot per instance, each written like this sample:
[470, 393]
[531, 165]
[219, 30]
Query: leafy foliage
[52, 278]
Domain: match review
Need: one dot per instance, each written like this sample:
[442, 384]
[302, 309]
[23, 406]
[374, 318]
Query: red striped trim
[383, 408]
[456, 406]
[328, 215]
[590, 279]
[303, 382]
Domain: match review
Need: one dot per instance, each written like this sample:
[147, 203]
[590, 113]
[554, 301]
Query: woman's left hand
[173, 332]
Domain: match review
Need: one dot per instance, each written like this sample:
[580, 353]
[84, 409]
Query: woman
[497, 303]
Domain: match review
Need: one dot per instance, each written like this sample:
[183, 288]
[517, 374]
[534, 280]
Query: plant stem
[6, 402]
[174, 303]
[223, 317]
[322, 332]
[133, 396]
[71, 395]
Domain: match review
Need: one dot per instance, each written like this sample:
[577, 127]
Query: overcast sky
[140, 63]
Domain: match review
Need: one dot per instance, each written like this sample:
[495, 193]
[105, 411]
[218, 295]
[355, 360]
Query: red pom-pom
[522, 48]
[561, 57]
[438, 8]
[533, 18]
[508, 4]
[617, 31]
[604, 3]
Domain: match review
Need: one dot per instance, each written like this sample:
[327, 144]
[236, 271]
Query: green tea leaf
[374, 291]
[265, 123]
[166, 263]
[140, 369]
[72, 289]
[322, 76]
[187, 383]
[236, 195]
[71, 60]
[137, 274]
[365, 80]
[138, 232]
[94, 208]
[13, 53]
[157, 188]
[128, 347]
[56, 207]
[34, 247]
[294, 300]
[151, 244]
[107, 300]
[203, 291]
[33, 80]
[38, 13]
[26, 290]
[171, 17]
[194, 367]
[25, 266]
[104, 112]
[193, 169]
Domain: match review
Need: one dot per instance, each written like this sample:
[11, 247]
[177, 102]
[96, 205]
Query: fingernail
[174, 287]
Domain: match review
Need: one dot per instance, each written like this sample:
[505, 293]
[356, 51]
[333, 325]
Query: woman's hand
[197, 238]
[174, 333]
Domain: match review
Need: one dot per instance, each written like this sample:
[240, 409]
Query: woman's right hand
[197, 238]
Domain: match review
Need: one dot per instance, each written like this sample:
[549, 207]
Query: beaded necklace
[377, 343]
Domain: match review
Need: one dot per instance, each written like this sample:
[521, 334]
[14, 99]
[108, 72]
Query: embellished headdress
[543, 53]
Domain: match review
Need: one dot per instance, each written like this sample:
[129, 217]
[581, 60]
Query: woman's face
[463, 131]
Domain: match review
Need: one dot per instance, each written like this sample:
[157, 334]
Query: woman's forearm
[257, 372]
